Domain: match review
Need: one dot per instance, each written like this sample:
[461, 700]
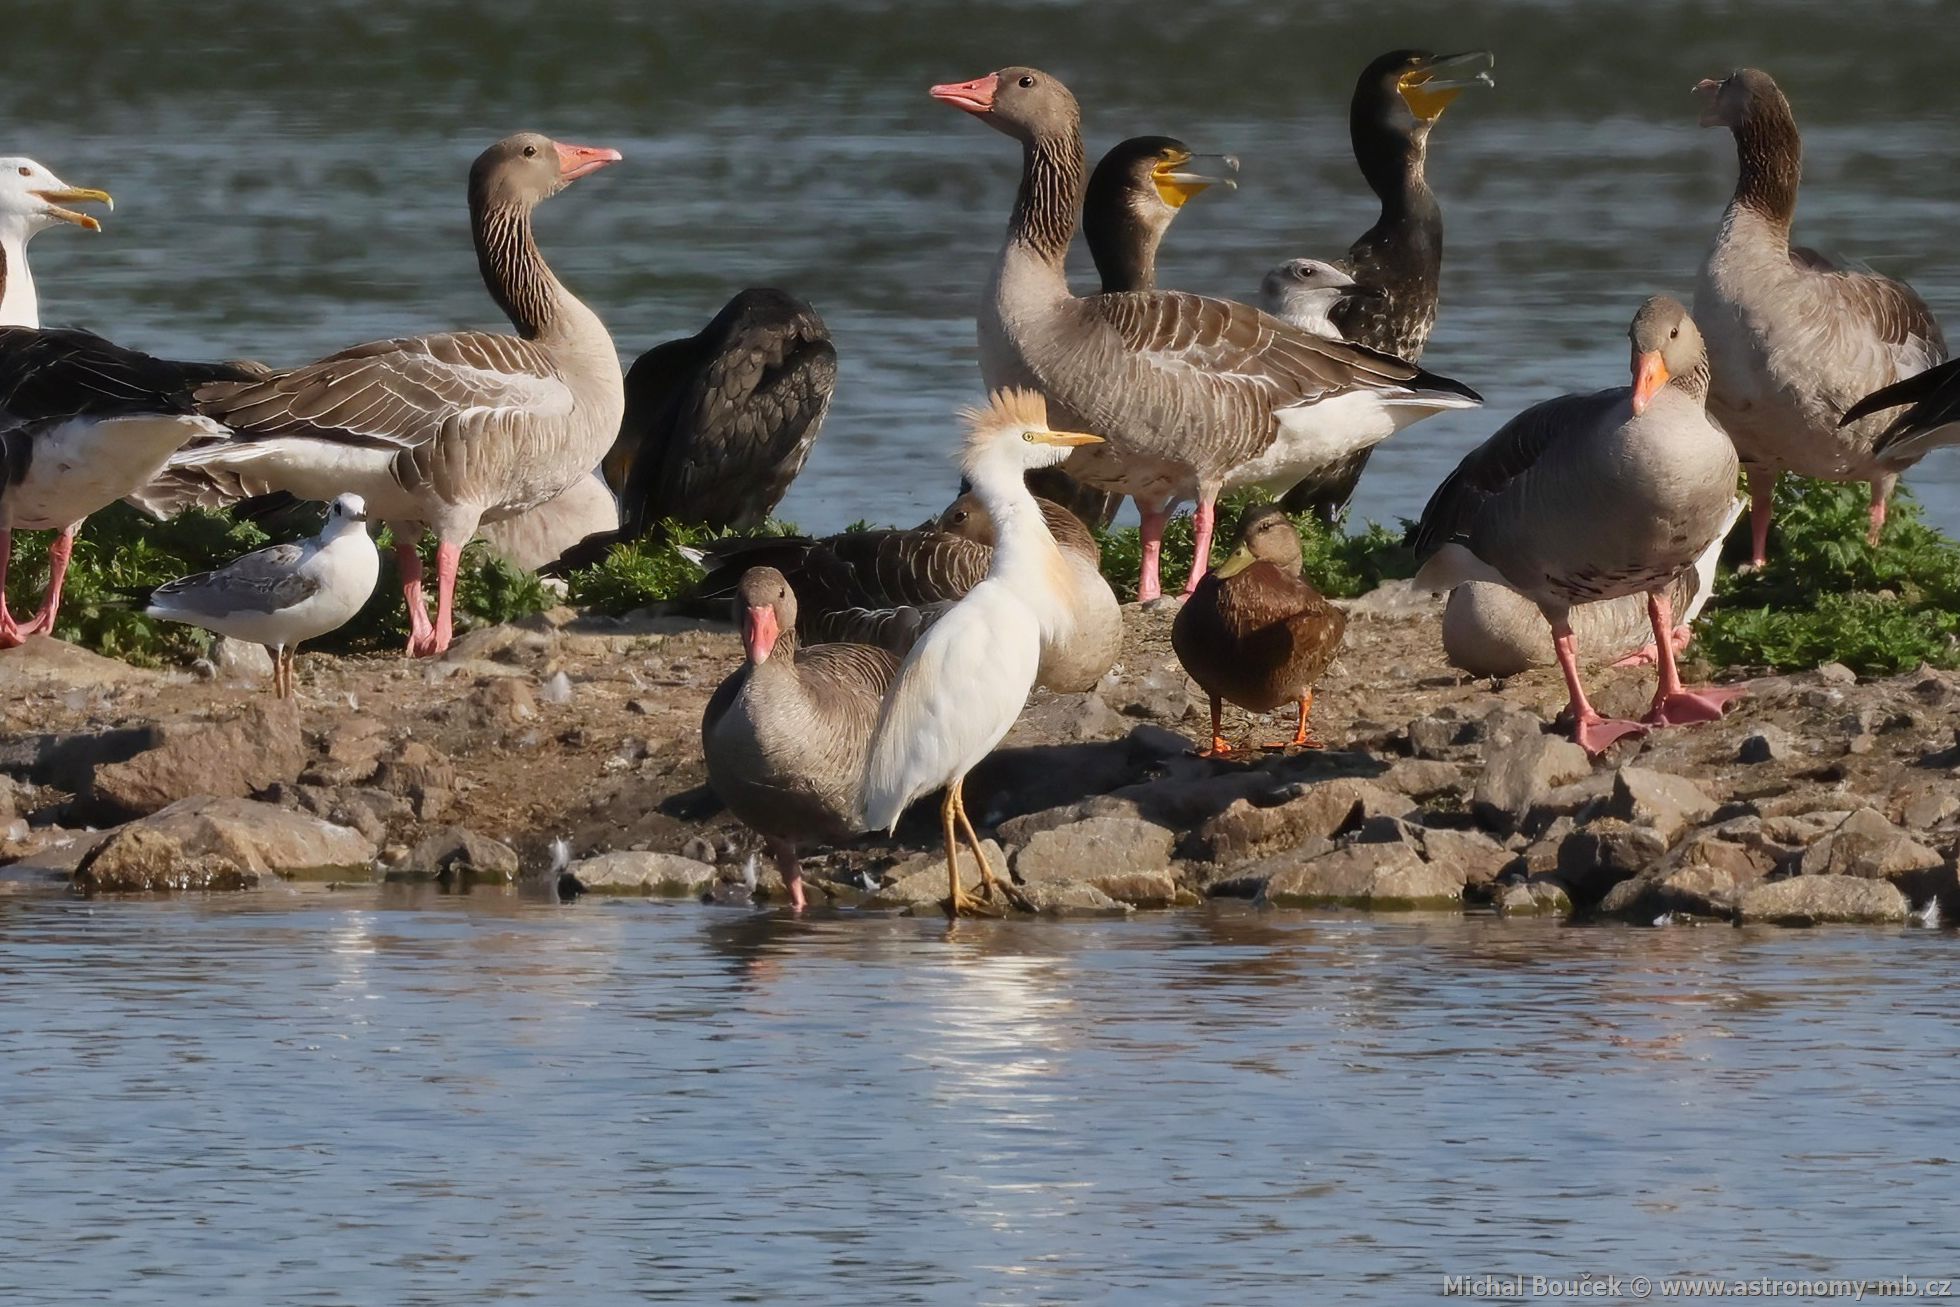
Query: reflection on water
[289, 178]
[395, 1097]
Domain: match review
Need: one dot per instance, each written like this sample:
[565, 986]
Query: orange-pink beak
[759, 632]
[1649, 375]
[576, 161]
[976, 96]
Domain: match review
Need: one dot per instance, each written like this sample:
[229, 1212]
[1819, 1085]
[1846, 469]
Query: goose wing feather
[397, 394]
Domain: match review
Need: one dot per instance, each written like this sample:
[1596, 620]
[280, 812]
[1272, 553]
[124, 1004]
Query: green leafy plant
[655, 568]
[120, 550]
[1827, 596]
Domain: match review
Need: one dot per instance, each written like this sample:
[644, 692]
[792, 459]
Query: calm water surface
[307, 1097]
[290, 178]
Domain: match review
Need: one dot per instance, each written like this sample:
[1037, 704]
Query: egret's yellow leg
[958, 900]
[987, 881]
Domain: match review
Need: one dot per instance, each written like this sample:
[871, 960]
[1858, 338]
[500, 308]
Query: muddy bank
[1820, 798]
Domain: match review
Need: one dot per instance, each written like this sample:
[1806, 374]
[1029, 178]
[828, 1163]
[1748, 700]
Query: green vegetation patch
[1826, 596]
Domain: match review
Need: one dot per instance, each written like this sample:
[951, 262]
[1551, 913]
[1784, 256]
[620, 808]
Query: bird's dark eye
[1027, 81]
[1674, 334]
[530, 151]
[26, 171]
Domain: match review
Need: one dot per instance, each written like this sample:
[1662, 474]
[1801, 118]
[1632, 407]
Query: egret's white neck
[1025, 554]
[19, 307]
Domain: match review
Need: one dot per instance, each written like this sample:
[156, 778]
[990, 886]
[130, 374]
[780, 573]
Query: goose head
[522, 170]
[1666, 347]
[765, 607]
[1024, 103]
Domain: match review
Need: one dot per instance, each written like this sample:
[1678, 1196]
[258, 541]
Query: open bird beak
[74, 195]
[759, 632]
[1649, 375]
[1177, 180]
[976, 96]
[1709, 92]
[1429, 88]
[1240, 560]
[1064, 438]
[576, 161]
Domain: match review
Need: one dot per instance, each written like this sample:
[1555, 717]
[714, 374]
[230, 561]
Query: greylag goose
[1306, 293]
[884, 587]
[1794, 338]
[965, 682]
[82, 423]
[440, 433]
[1135, 192]
[785, 736]
[284, 595]
[1257, 632]
[1398, 99]
[587, 511]
[1492, 630]
[1589, 497]
[31, 200]
[717, 425]
[1196, 396]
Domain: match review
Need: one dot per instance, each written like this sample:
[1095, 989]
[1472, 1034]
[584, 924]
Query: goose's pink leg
[409, 560]
[448, 555]
[1673, 705]
[1880, 490]
[11, 636]
[784, 854]
[1594, 733]
[58, 554]
[1151, 535]
[1204, 521]
[1762, 500]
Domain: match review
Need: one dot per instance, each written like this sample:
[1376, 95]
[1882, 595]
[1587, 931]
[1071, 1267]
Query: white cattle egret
[962, 686]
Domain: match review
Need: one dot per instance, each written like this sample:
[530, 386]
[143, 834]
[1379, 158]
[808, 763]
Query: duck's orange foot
[1220, 748]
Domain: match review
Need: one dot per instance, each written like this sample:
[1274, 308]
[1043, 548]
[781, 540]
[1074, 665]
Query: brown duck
[1256, 632]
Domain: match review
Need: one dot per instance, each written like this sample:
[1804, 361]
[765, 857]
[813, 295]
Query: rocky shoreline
[563, 753]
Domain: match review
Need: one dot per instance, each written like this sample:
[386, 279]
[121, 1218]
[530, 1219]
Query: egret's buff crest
[1008, 408]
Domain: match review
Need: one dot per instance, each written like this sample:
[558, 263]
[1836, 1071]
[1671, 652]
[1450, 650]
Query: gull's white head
[1011, 434]
[32, 198]
[347, 513]
[1303, 292]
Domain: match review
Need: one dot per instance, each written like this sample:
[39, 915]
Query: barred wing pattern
[402, 393]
